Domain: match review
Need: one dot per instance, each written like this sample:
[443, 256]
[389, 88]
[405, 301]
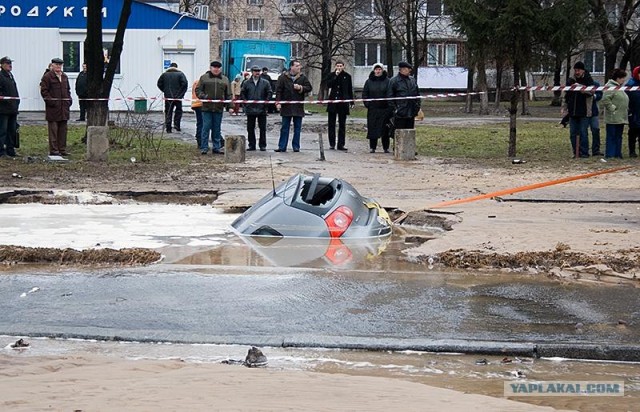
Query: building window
[437, 8]
[294, 1]
[594, 61]
[223, 2]
[451, 56]
[367, 54]
[255, 25]
[71, 56]
[254, 2]
[365, 7]
[298, 49]
[224, 24]
[442, 54]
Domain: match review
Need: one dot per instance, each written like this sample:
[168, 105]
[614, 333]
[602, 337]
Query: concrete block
[405, 147]
[234, 149]
[97, 143]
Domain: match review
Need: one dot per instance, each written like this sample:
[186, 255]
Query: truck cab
[239, 55]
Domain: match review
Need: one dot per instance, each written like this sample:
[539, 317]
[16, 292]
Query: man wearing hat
[579, 105]
[55, 90]
[256, 88]
[8, 108]
[173, 83]
[403, 85]
[213, 85]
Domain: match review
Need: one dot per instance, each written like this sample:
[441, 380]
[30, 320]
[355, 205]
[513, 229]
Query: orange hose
[528, 187]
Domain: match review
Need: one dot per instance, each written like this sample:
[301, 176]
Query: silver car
[316, 207]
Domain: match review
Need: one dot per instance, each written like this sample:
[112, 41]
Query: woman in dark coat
[378, 112]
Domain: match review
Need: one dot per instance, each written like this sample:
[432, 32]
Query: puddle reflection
[371, 253]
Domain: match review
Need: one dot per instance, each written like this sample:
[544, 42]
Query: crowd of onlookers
[392, 103]
[291, 88]
[621, 107]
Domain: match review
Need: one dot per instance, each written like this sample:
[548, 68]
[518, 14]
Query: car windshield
[275, 64]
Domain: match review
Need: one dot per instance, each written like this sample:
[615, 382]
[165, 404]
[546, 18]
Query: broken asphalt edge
[582, 350]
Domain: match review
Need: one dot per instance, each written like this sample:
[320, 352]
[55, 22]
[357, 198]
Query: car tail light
[339, 220]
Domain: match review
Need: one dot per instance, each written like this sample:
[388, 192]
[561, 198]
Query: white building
[35, 31]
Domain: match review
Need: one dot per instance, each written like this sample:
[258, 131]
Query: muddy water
[197, 245]
[451, 371]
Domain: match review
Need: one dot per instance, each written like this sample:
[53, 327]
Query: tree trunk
[557, 70]
[498, 85]
[513, 114]
[388, 39]
[482, 86]
[409, 47]
[525, 103]
[468, 108]
[100, 80]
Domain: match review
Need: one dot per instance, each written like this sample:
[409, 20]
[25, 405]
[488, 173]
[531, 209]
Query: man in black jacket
[578, 105]
[8, 108]
[82, 90]
[403, 85]
[340, 88]
[256, 88]
[174, 85]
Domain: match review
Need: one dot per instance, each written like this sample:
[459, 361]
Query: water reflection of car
[314, 207]
[325, 252]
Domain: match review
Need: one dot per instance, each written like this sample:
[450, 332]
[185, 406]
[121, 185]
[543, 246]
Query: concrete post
[234, 149]
[97, 143]
[405, 147]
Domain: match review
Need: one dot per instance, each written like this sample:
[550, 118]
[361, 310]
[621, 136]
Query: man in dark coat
[292, 86]
[378, 112]
[340, 88]
[82, 90]
[403, 85]
[256, 88]
[174, 85]
[579, 105]
[8, 108]
[55, 90]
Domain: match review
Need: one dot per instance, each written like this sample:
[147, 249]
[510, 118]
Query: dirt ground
[585, 229]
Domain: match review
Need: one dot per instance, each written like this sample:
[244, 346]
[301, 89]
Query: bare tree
[612, 18]
[327, 28]
[100, 73]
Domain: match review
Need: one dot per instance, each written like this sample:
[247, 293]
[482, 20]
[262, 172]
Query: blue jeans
[578, 128]
[614, 140]
[284, 132]
[211, 122]
[594, 124]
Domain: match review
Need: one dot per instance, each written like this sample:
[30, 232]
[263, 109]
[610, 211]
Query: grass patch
[542, 141]
[34, 143]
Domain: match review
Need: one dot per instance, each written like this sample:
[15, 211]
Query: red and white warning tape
[429, 96]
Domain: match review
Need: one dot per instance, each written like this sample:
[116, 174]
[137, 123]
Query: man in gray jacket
[256, 88]
[174, 85]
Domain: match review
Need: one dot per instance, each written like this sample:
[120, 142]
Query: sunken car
[314, 207]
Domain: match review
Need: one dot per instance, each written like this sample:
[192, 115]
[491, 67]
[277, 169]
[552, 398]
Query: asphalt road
[277, 306]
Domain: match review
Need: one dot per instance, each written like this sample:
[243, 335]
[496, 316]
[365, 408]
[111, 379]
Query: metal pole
[321, 143]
